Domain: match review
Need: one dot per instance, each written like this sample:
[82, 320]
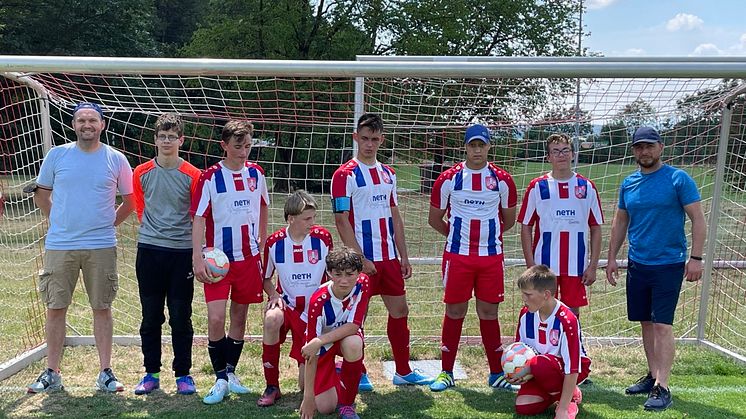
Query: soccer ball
[217, 263]
[514, 359]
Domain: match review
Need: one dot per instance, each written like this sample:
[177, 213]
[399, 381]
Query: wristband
[699, 258]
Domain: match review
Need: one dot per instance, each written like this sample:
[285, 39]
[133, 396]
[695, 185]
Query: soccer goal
[304, 112]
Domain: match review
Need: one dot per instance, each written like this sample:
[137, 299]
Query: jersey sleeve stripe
[280, 251]
[458, 181]
[359, 177]
[581, 253]
[367, 239]
[544, 189]
[546, 248]
[529, 324]
[455, 235]
[228, 242]
[492, 239]
[329, 312]
[220, 182]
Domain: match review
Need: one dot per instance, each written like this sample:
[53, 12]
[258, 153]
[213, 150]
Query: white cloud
[598, 4]
[743, 39]
[707, 50]
[684, 21]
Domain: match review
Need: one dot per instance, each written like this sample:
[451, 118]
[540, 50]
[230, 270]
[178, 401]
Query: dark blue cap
[477, 132]
[646, 135]
[89, 105]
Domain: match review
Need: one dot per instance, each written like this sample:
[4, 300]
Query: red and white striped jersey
[368, 192]
[327, 312]
[230, 201]
[558, 335]
[562, 212]
[473, 199]
[301, 267]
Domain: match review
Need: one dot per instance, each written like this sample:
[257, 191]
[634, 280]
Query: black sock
[217, 351]
[233, 350]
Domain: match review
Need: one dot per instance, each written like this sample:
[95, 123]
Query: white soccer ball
[217, 263]
[515, 358]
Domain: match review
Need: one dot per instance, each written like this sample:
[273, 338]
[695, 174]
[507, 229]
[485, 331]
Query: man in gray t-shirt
[77, 188]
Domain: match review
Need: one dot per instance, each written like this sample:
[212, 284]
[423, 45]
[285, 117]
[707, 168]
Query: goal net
[304, 132]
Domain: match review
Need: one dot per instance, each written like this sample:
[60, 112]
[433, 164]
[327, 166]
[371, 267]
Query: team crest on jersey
[252, 184]
[313, 256]
[554, 337]
[580, 192]
[385, 176]
[491, 183]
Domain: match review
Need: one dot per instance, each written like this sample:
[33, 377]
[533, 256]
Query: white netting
[304, 132]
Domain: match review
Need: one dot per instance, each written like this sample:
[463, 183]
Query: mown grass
[704, 385]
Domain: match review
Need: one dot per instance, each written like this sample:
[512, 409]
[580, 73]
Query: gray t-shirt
[84, 189]
[162, 200]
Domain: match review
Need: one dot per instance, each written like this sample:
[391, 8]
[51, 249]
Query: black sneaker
[643, 386]
[659, 399]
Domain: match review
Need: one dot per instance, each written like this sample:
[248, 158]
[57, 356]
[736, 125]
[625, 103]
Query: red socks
[398, 334]
[271, 362]
[449, 342]
[350, 377]
[490, 330]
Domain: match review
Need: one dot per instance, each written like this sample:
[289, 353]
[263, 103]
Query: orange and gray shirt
[162, 200]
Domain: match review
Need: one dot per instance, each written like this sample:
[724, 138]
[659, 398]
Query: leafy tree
[77, 27]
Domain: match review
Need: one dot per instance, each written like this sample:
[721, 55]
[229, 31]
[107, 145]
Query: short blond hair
[298, 202]
[538, 277]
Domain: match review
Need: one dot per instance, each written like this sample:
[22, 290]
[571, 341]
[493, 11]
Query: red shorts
[297, 327]
[549, 375]
[481, 276]
[243, 283]
[326, 372]
[571, 290]
[388, 279]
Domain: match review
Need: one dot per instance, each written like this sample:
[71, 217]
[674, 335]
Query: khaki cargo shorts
[61, 271]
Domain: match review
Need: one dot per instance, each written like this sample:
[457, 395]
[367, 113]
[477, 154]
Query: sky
[656, 28]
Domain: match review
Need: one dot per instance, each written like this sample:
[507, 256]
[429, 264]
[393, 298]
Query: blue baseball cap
[646, 135]
[477, 132]
[89, 105]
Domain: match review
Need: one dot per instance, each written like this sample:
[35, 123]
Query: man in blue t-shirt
[77, 189]
[652, 205]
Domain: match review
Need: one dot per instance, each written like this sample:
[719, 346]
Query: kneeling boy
[551, 328]
[298, 254]
[335, 321]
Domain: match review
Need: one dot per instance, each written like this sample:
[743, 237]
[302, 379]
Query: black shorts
[653, 291]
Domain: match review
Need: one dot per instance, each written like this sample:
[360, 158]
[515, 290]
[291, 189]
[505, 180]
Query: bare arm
[347, 234]
[263, 220]
[312, 347]
[589, 275]
[198, 263]
[436, 221]
[694, 268]
[401, 242]
[508, 217]
[527, 244]
[43, 200]
[618, 234]
[308, 405]
[568, 387]
[124, 209]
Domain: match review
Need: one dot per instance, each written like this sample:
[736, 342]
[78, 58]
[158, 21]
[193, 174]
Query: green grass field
[704, 384]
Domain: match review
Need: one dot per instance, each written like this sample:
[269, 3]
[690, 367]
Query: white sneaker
[217, 393]
[47, 380]
[235, 386]
[107, 381]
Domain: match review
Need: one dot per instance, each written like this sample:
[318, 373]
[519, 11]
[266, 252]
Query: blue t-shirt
[84, 189]
[655, 204]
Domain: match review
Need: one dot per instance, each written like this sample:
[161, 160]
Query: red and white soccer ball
[217, 263]
[514, 360]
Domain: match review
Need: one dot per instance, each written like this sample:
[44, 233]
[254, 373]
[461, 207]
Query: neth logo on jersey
[473, 202]
[296, 277]
[241, 203]
[379, 198]
[565, 213]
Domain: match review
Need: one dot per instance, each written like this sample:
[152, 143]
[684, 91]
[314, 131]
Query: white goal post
[304, 112]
